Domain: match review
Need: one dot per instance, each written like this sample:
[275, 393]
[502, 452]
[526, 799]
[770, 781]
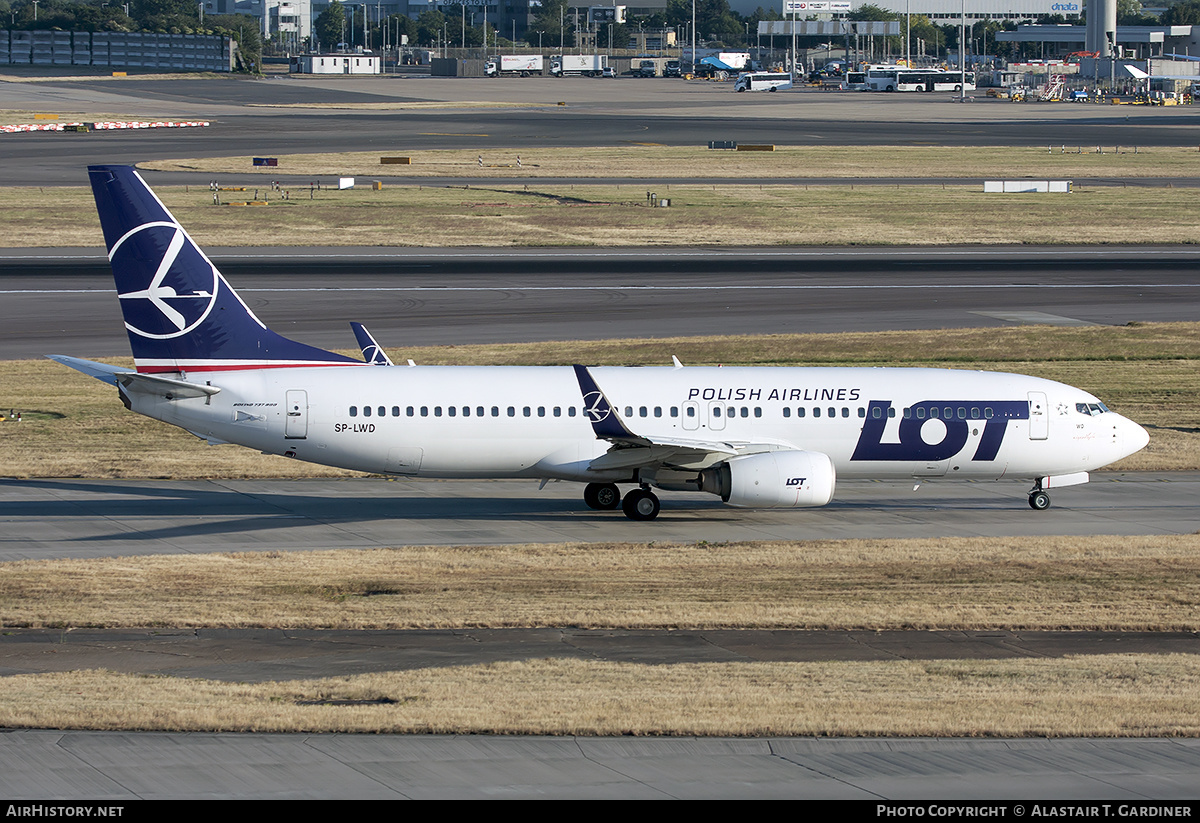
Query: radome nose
[1131, 437]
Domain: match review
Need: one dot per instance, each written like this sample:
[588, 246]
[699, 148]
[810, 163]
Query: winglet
[605, 422]
[373, 353]
[1136, 72]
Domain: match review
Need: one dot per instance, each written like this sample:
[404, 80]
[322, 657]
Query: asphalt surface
[454, 297]
[52, 518]
[1134, 777]
[259, 118]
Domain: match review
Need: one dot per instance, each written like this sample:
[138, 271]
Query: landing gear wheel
[640, 504]
[601, 496]
[1039, 500]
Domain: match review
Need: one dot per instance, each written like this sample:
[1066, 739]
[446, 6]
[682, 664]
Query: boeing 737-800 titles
[756, 437]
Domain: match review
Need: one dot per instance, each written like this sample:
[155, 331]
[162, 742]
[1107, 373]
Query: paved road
[105, 518]
[117, 767]
[254, 118]
[63, 302]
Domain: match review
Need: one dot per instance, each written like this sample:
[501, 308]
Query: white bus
[762, 81]
[898, 78]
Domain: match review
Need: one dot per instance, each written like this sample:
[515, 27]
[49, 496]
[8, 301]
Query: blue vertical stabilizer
[180, 313]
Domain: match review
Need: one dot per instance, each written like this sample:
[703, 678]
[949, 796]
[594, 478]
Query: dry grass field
[1147, 372]
[529, 213]
[1025, 583]
[1112, 696]
[665, 162]
[1073, 583]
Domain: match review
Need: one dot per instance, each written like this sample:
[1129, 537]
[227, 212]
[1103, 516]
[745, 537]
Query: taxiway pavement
[51, 518]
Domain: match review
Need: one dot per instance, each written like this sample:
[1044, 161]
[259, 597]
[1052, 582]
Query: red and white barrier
[106, 125]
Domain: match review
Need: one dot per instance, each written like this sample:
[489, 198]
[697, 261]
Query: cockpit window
[1091, 409]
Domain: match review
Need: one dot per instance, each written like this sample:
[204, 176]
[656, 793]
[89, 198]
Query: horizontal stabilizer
[133, 381]
[101, 371]
[164, 386]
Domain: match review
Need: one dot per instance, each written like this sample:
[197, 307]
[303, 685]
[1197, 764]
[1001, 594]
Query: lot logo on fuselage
[912, 444]
[158, 270]
[596, 407]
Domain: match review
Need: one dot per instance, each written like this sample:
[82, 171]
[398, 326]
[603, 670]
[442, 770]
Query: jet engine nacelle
[782, 479]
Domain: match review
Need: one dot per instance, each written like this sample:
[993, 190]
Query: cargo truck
[587, 65]
[507, 64]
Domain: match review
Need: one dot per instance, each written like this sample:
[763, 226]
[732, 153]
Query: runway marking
[1037, 318]
[1047, 318]
[450, 134]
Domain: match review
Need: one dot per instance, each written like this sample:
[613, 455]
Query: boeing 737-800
[756, 437]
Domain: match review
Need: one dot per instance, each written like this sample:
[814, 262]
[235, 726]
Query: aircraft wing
[632, 450]
[1138, 74]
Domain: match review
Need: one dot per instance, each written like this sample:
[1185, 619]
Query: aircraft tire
[1039, 501]
[640, 504]
[601, 496]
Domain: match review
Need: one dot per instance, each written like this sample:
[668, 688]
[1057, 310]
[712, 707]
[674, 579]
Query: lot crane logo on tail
[169, 305]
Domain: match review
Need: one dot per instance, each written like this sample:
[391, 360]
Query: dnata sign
[1073, 7]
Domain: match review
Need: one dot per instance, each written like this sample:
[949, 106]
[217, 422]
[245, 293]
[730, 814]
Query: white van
[762, 81]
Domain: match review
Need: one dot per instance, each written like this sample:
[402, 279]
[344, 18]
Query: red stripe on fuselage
[239, 367]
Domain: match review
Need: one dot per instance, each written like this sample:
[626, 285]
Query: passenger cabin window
[354, 411]
[366, 411]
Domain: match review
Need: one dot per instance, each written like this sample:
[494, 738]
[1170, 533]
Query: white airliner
[756, 437]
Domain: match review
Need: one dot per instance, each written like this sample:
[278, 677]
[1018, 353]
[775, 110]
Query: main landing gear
[602, 496]
[1038, 499]
[638, 504]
